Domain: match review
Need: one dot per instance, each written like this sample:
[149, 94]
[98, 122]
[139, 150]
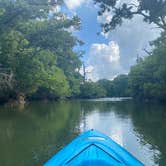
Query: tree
[120, 84]
[52, 78]
[6, 78]
[31, 68]
[148, 78]
[117, 87]
[153, 11]
[91, 90]
[51, 35]
[37, 48]
[108, 86]
[6, 83]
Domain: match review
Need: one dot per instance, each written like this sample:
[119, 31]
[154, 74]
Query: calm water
[31, 135]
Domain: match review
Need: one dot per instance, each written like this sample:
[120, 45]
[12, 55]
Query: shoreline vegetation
[38, 61]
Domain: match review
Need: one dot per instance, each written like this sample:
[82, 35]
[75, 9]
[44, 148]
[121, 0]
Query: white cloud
[73, 4]
[133, 36]
[104, 61]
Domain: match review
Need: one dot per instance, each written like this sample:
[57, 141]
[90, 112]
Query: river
[29, 136]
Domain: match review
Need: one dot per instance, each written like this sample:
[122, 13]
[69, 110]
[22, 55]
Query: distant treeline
[37, 60]
[106, 88]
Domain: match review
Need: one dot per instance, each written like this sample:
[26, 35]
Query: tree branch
[162, 26]
[6, 80]
[148, 52]
[163, 20]
[132, 5]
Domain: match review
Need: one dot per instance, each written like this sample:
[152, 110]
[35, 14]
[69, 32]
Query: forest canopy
[38, 61]
[36, 50]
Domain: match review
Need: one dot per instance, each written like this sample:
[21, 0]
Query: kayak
[93, 148]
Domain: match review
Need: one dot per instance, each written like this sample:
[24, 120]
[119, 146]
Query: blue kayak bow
[93, 148]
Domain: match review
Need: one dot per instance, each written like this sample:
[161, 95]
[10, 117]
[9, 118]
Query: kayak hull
[93, 148]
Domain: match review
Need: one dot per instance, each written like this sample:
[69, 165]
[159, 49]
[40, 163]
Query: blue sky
[108, 55]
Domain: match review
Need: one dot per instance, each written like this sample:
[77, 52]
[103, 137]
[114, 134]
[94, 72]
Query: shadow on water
[150, 123]
[31, 136]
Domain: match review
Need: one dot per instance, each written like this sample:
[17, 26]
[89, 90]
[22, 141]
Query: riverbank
[15, 103]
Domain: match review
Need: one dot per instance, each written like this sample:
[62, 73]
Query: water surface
[30, 136]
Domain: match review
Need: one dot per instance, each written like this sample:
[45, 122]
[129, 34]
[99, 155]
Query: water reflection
[136, 126]
[106, 117]
[31, 136]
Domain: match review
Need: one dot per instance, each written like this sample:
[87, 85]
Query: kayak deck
[93, 148]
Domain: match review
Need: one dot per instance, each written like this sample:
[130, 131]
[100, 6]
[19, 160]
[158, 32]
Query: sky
[108, 55]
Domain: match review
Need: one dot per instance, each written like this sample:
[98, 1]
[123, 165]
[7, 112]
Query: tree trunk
[21, 98]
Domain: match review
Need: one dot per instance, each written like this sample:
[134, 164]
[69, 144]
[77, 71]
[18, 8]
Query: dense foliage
[92, 90]
[106, 88]
[36, 50]
[148, 77]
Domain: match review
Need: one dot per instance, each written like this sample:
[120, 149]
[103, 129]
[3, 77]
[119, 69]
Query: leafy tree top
[153, 11]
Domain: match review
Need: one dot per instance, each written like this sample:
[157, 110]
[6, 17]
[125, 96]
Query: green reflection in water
[30, 136]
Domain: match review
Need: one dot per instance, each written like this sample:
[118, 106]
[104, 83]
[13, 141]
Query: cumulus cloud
[104, 61]
[73, 4]
[133, 36]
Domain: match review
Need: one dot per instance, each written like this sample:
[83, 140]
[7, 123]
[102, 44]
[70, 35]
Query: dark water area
[30, 136]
